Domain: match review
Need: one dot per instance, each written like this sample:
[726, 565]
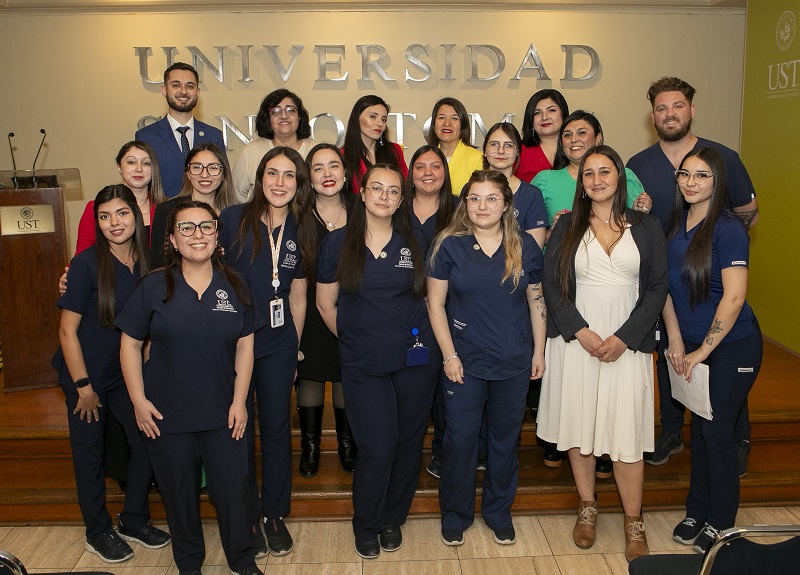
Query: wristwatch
[82, 382]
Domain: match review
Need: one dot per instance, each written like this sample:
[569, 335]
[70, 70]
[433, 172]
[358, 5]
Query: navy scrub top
[99, 344]
[191, 371]
[268, 340]
[730, 247]
[428, 227]
[490, 324]
[529, 207]
[375, 324]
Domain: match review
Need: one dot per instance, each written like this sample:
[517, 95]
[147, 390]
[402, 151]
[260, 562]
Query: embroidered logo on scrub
[459, 325]
[745, 370]
[738, 263]
[222, 302]
[405, 259]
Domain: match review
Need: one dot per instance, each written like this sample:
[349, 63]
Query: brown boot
[635, 538]
[585, 525]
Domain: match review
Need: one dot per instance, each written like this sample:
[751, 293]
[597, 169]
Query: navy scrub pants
[88, 442]
[388, 416]
[272, 380]
[714, 482]
[177, 458]
[504, 403]
[672, 411]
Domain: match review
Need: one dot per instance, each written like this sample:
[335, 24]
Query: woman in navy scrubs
[708, 320]
[431, 208]
[101, 279]
[319, 348]
[260, 242]
[190, 397]
[605, 282]
[370, 293]
[492, 336]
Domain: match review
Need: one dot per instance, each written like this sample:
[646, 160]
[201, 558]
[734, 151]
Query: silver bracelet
[449, 358]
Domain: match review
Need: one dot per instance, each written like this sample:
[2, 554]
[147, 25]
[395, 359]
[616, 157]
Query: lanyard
[276, 253]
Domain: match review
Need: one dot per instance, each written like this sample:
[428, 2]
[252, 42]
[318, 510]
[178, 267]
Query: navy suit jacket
[161, 138]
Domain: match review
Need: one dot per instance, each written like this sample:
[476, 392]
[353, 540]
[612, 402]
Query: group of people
[439, 289]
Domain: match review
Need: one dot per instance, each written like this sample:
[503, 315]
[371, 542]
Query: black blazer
[639, 331]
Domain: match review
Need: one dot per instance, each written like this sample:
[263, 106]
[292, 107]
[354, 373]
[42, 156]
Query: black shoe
[148, 536]
[368, 549]
[452, 537]
[707, 536]
[687, 530]
[109, 547]
[348, 451]
[259, 543]
[435, 467]
[744, 455]
[603, 468]
[278, 539]
[310, 436]
[505, 536]
[190, 572]
[481, 465]
[251, 569]
[391, 538]
[666, 444]
[552, 457]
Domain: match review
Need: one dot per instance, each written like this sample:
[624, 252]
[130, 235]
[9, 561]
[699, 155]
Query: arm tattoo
[539, 298]
[716, 327]
[747, 217]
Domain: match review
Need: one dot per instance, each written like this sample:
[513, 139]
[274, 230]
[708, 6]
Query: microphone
[13, 161]
[33, 168]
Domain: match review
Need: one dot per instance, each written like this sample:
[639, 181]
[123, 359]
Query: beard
[180, 107]
[674, 134]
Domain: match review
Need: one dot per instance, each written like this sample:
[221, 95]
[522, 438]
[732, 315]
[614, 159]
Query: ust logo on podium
[16, 220]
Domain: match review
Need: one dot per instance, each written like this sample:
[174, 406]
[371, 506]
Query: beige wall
[77, 75]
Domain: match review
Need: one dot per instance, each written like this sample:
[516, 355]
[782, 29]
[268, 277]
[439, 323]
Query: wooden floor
[37, 482]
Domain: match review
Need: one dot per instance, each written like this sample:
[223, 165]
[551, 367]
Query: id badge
[276, 313]
[417, 355]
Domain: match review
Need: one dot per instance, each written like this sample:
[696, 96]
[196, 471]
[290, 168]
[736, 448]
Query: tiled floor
[544, 547]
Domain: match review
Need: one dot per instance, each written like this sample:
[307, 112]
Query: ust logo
[782, 80]
[27, 223]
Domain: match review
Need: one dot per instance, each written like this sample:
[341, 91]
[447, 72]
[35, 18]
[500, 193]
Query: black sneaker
[435, 467]
[391, 538]
[259, 543]
[706, 537]
[452, 537]
[744, 455]
[368, 549]
[666, 444]
[278, 539]
[109, 547]
[505, 536]
[251, 569]
[687, 530]
[481, 465]
[148, 536]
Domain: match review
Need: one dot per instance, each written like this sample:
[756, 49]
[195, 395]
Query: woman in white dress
[605, 278]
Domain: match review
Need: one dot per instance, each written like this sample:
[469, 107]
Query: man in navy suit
[178, 132]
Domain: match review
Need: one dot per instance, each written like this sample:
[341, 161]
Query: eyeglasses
[495, 146]
[196, 168]
[187, 229]
[699, 177]
[377, 192]
[277, 111]
[475, 201]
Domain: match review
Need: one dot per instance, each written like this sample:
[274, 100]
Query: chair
[732, 554]
[10, 565]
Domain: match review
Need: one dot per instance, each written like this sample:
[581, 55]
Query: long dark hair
[509, 130]
[529, 135]
[445, 195]
[354, 253]
[463, 117]
[354, 149]
[154, 191]
[561, 160]
[174, 260]
[307, 233]
[106, 299]
[696, 269]
[581, 214]
[225, 195]
[263, 126]
[258, 205]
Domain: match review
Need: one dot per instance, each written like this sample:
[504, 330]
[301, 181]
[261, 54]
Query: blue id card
[418, 354]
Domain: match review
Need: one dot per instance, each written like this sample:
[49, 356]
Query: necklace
[599, 218]
[126, 261]
[328, 224]
[424, 219]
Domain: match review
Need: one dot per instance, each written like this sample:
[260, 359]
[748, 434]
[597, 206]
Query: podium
[33, 253]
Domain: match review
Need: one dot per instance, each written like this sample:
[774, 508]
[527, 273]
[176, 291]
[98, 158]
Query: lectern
[33, 253]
